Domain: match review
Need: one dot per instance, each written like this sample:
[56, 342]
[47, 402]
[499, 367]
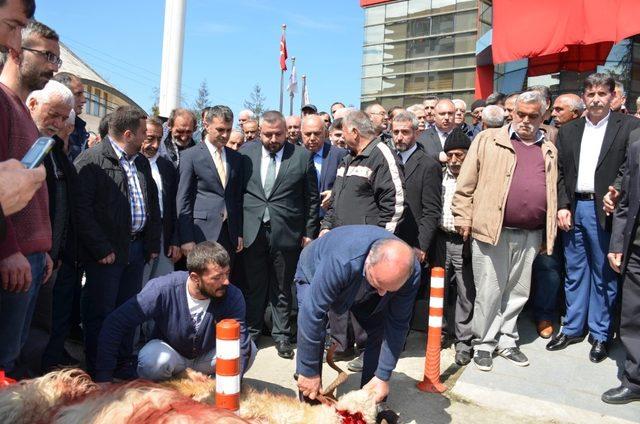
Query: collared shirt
[136, 198]
[513, 134]
[157, 177]
[404, 156]
[317, 162]
[264, 163]
[213, 151]
[590, 147]
[448, 190]
[443, 136]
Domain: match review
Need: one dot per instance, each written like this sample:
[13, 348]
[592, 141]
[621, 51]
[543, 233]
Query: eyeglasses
[51, 58]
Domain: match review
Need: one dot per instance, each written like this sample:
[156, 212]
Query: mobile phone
[38, 151]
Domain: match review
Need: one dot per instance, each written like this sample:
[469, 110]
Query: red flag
[283, 53]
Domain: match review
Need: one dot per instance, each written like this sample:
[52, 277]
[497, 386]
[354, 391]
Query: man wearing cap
[476, 118]
[308, 109]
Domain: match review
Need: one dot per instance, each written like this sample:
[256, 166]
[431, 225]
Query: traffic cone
[431, 381]
[4, 380]
[228, 365]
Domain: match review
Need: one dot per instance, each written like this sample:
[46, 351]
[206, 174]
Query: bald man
[372, 273]
[432, 140]
[566, 108]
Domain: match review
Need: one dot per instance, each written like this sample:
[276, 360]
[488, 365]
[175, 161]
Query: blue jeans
[107, 287]
[547, 275]
[16, 311]
[590, 285]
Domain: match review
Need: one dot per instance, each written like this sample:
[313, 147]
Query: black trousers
[269, 276]
[629, 322]
[346, 331]
[225, 241]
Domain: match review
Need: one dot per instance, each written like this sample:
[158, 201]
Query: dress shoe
[347, 355]
[356, 365]
[561, 340]
[598, 351]
[463, 358]
[545, 329]
[285, 350]
[620, 395]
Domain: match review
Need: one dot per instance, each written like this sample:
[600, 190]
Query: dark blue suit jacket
[331, 158]
[201, 197]
[333, 267]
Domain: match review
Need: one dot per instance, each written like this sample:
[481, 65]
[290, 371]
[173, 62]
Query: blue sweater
[164, 300]
[333, 266]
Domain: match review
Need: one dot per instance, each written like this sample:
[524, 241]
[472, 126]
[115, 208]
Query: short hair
[414, 108]
[53, 89]
[430, 98]
[103, 127]
[461, 102]
[542, 89]
[495, 98]
[371, 106]
[325, 113]
[155, 121]
[533, 97]
[251, 120]
[405, 116]
[175, 113]
[248, 112]
[359, 120]
[337, 124]
[34, 28]
[28, 6]
[574, 102]
[336, 103]
[272, 117]
[125, 118]
[66, 78]
[510, 95]
[598, 79]
[207, 253]
[493, 116]
[220, 112]
[620, 86]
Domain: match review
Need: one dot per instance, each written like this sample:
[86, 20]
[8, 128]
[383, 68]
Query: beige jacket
[484, 181]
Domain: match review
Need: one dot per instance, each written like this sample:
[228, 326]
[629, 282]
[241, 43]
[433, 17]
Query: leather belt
[585, 196]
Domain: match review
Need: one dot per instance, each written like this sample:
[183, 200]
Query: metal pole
[172, 50]
[304, 90]
[291, 94]
[284, 29]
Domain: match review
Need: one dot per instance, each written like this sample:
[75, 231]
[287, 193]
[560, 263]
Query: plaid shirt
[448, 190]
[136, 198]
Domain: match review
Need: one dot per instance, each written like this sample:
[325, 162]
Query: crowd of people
[137, 231]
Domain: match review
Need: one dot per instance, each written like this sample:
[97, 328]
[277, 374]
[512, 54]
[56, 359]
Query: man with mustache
[24, 263]
[432, 140]
[185, 330]
[592, 151]
[505, 199]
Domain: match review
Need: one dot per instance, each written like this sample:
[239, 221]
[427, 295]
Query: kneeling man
[185, 307]
[372, 273]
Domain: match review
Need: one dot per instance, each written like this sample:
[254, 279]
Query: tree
[202, 100]
[155, 108]
[256, 101]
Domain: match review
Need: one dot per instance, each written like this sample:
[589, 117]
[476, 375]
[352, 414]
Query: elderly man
[513, 166]
[293, 130]
[476, 117]
[567, 108]
[461, 111]
[421, 116]
[429, 104]
[433, 139]
[244, 116]
[251, 130]
[236, 140]
[509, 106]
[380, 120]
[619, 101]
[551, 130]
[592, 152]
[373, 274]
[492, 117]
[182, 124]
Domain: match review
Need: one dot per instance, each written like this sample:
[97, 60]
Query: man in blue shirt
[185, 307]
[369, 271]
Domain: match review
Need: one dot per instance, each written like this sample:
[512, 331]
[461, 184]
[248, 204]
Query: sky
[233, 45]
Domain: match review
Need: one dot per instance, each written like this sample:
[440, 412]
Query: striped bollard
[228, 364]
[431, 381]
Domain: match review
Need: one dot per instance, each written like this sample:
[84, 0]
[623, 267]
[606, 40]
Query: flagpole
[284, 28]
[304, 88]
[291, 95]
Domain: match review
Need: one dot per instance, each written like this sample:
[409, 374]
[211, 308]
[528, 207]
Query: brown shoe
[545, 329]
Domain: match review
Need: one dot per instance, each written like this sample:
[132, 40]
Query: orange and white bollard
[4, 380]
[431, 381]
[228, 364]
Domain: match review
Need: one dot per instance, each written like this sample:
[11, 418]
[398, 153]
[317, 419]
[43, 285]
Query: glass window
[374, 34]
[464, 79]
[465, 43]
[372, 54]
[371, 70]
[393, 85]
[395, 32]
[395, 51]
[441, 46]
[412, 100]
[417, 65]
[441, 63]
[440, 6]
[87, 106]
[416, 82]
[466, 21]
[418, 48]
[374, 15]
[418, 27]
[466, 4]
[389, 102]
[462, 61]
[371, 85]
[396, 10]
[440, 81]
[393, 68]
[442, 24]
[418, 8]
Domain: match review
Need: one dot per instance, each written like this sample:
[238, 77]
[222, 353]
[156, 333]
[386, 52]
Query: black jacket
[423, 176]
[369, 189]
[610, 161]
[169, 188]
[102, 205]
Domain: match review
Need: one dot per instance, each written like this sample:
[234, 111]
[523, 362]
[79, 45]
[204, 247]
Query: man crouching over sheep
[185, 307]
[372, 273]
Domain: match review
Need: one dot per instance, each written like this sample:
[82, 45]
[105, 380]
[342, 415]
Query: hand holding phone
[38, 151]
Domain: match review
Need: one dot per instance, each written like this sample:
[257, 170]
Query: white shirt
[213, 151]
[317, 162]
[264, 163]
[443, 136]
[407, 153]
[590, 147]
[197, 308]
[155, 173]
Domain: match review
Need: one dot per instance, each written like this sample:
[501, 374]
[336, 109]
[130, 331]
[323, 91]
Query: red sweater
[28, 231]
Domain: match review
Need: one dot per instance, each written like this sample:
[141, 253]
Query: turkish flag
[283, 53]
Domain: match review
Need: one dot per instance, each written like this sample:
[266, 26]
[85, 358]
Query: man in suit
[165, 175]
[210, 188]
[624, 258]
[293, 130]
[591, 155]
[280, 218]
[118, 226]
[432, 140]
[326, 157]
